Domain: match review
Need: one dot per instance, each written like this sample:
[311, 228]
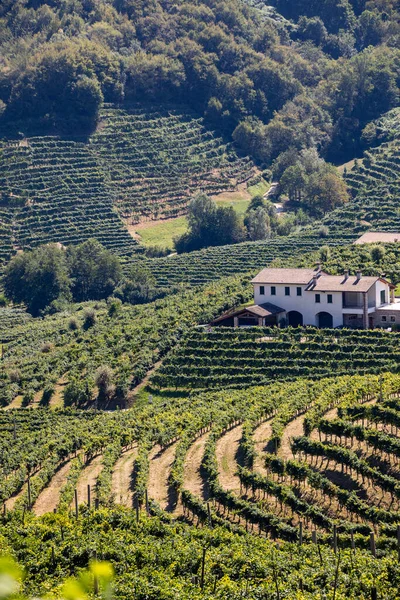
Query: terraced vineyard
[58, 194]
[157, 158]
[375, 185]
[143, 163]
[328, 459]
[227, 357]
[211, 264]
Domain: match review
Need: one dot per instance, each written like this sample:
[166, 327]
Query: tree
[324, 192]
[210, 225]
[293, 182]
[258, 224]
[95, 271]
[37, 278]
[137, 287]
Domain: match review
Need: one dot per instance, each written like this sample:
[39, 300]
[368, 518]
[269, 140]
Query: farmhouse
[298, 297]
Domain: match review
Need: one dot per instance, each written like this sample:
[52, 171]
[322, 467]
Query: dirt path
[87, 477]
[159, 469]
[226, 452]
[144, 381]
[49, 498]
[261, 438]
[15, 403]
[293, 428]
[10, 503]
[192, 479]
[122, 478]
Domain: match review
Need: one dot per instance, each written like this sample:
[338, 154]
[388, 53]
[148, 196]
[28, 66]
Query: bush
[114, 305]
[73, 324]
[47, 395]
[47, 347]
[89, 318]
[104, 381]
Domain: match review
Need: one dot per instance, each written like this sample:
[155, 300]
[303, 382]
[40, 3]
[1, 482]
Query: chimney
[358, 275]
[315, 280]
[346, 275]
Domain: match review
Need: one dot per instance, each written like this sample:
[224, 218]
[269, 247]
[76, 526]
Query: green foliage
[37, 278]
[94, 270]
[210, 225]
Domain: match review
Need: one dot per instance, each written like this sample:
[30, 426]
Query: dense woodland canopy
[314, 78]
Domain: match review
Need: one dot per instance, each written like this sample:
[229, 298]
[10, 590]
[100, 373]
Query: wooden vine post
[29, 494]
[372, 544]
[203, 564]
[76, 503]
[88, 496]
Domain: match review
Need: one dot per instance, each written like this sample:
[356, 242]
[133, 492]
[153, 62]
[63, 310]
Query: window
[393, 319]
[273, 290]
[383, 318]
[262, 290]
[287, 291]
[330, 299]
[318, 298]
[299, 291]
[383, 297]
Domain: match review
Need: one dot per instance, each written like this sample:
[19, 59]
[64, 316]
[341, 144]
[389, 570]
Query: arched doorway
[324, 320]
[295, 319]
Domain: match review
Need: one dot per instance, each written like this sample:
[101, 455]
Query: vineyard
[38, 353]
[211, 264]
[374, 183]
[157, 158]
[310, 464]
[227, 357]
[141, 163]
[56, 193]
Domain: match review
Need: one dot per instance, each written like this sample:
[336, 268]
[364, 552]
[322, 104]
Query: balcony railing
[353, 304]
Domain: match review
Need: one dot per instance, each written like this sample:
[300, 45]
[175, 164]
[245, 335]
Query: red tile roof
[287, 276]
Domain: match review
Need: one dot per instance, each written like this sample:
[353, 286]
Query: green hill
[140, 163]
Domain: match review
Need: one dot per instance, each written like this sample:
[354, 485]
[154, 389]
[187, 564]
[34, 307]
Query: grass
[259, 189]
[162, 234]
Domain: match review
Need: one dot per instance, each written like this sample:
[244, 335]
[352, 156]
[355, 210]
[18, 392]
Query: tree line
[51, 276]
[316, 80]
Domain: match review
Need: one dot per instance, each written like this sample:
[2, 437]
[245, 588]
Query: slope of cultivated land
[348, 476]
[212, 263]
[374, 184]
[161, 460]
[227, 357]
[59, 194]
[122, 478]
[143, 163]
[157, 157]
[41, 351]
[50, 496]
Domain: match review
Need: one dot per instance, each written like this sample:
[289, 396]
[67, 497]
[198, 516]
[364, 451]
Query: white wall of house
[378, 287]
[304, 304]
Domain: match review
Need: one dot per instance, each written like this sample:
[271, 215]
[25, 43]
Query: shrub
[114, 305]
[47, 395]
[90, 318]
[47, 347]
[104, 381]
[73, 324]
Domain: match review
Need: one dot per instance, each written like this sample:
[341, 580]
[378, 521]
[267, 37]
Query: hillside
[141, 163]
[144, 454]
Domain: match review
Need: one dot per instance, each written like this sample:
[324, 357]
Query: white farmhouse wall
[304, 304]
[379, 286]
